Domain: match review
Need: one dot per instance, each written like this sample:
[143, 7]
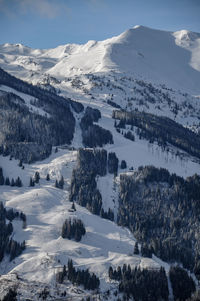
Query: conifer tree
[12, 183]
[31, 183]
[73, 207]
[7, 181]
[1, 177]
[136, 249]
[37, 177]
[61, 182]
[18, 182]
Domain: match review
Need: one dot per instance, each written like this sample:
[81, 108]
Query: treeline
[161, 129]
[44, 96]
[73, 229]
[6, 181]
[92, 134]
[162, 210]
[83, 189]
[27, 135]
[7, 244]
[141, 284]
[79, 277]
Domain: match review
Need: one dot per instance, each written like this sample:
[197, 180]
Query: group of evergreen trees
[60, 183]
[36, 179]
[73, 229]
[6, 181]
[80, 277]
[129, 135]
[83, 187]
[107, 215]
[162, 210]
[161, 129]
[182, 284]
[141, 284]
[28, 135]
[92, 134]
[7, 244]
[113, 163]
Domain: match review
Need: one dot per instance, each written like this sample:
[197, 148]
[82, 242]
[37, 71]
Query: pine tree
[56, 184]
[7, 181]
[37, 177]
[136, 249]
[18, 182]
[61, 182]
[110, 272]
[73, 207]
[12, 183]
[31, 183]
[1, 177]
[48, 177]
[123, 164]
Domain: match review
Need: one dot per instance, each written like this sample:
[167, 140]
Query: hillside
[78, 122]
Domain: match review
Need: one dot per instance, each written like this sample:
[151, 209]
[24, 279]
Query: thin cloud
[45, 8]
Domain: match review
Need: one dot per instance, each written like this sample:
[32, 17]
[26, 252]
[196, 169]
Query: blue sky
[49, 23]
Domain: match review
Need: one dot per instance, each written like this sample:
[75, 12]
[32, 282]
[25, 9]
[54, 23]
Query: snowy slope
[155, 55]
[145, 69]
[46, 208]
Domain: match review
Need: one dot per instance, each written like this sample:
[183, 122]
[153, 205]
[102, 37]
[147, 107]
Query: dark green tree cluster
[107, 215]
[182, 284]
[27, 135]
[141, 284]
[162, 210]
[112, 163]
[7, 244]
[161, 129]
[129, 135]
[113, 104]
[82, 277]
[83, 189]
[136, 249]
[60, 183]
[11, 295]
[123, 164]
[44, 96]
[73, 229]
[6, 181]
[35, 179]
[92, 134]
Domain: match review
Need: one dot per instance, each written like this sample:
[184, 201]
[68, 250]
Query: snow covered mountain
[170, 58]
[154, 77]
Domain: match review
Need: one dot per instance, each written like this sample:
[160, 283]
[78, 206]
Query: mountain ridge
[161, 56]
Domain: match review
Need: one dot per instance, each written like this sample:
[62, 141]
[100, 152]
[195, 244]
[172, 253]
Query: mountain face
[99, 168]
[170, 58]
